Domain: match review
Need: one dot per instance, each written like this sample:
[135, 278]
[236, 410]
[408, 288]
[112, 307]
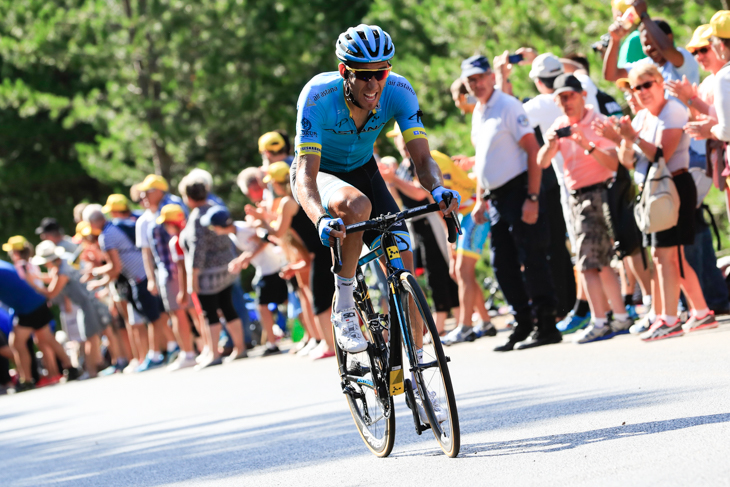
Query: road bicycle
[372, 378]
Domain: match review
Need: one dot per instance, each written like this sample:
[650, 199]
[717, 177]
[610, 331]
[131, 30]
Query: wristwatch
[588, 151]
[533, 197]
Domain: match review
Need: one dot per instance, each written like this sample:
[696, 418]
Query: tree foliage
[97, 93]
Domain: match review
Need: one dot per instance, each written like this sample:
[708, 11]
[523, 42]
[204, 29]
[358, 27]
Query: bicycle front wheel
[367, 396]
[432, 374]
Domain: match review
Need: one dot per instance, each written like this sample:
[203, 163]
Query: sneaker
[321, 351]
[308, 348]
[209, 363]
[205, 356]
[183, 361]
[24, 386]
[573, 323]
[538, 339]
[593, 334]
[131, 368]
[271, 350]
[660, 330]
[85, 376]
[48, 381]
[111, 370]
[232, 358]
[72, 373]
[485, 329]
[641, 326]
[631, 310]
[347, 331]
[150, 364]
[437, 409]
[693, 324]
[172, 355]
[621, 327]
[461, 333]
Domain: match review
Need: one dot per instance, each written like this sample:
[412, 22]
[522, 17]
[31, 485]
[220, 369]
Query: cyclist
[334, 176]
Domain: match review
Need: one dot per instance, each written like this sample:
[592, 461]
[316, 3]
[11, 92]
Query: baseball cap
[700, 38]
[271, 141]
[393, 133]
[48, 225]
[116, 202]
[620, 5]
[474, 65]
[171, 214]
[83, 229]
[17, 242]
[567, 82]
[153, 181]
[720, 23]
[546, 65]
[46, 252]
[217, 216]
[277, 172]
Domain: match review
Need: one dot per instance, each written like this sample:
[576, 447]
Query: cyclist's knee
[351, 205]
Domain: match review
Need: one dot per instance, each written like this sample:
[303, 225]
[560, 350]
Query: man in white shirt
[506, 168]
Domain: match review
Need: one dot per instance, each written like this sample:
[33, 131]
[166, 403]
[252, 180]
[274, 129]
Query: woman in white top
[660, 125]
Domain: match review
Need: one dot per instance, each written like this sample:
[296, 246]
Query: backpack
[657, 206]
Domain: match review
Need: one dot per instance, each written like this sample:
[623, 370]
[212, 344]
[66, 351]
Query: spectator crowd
[594, 212]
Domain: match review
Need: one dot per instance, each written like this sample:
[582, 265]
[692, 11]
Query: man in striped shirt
[123, 257]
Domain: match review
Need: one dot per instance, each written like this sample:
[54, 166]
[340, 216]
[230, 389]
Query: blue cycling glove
[325, 229]
[438, 195]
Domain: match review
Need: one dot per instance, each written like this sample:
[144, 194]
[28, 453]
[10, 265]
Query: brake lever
[336, 250]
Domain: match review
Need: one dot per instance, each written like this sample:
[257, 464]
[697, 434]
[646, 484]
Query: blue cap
[218, 216]
[474, 65]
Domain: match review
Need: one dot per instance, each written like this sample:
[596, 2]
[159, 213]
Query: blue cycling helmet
[364, 44]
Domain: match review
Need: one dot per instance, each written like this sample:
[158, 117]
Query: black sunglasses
[366, 74]
[701, 50]
[643, 86]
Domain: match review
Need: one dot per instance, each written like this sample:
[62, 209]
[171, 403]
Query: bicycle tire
[379, 440]
[447, 433]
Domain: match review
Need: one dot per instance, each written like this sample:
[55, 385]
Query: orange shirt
[583, 170]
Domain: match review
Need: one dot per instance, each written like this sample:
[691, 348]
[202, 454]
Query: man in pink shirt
[589, 161]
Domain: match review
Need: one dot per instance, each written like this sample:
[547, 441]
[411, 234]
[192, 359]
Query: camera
[602, 43]
[563, 132]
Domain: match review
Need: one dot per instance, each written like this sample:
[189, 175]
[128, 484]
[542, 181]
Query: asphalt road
[619, 412]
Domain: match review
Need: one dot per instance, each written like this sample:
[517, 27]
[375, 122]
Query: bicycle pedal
[358, 370]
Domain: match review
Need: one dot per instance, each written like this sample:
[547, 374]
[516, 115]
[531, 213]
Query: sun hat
[116, 202]
[217, 216]
[546, 65]
[271, 141]
[17, 242]
[171, 214]
[700, 38]
[277, 172]
[153, 181]
[45, 252]
[720, 23]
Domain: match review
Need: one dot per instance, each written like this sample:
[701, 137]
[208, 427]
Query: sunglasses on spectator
[643, 86]
[366, 74]
[701, 50]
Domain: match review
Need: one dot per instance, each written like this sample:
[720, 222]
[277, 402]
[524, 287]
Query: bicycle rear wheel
[367, 397]
[432, 376]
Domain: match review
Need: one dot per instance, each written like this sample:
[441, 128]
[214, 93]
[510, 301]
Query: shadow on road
[209, 450]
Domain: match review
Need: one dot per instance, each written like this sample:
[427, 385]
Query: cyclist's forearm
[307, 192]
[427, 170]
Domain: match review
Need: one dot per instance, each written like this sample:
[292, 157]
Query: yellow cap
[17, 242]
[700, 38]
[116, 202]
[171, 213]
[623, 84]
[83, 229]
[620, 5]
[153, 181]
[720, 23]
[393, 133]
[271, 141]
[277, 172]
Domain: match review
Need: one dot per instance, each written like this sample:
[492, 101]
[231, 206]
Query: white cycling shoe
[347, 331]
[437, 409]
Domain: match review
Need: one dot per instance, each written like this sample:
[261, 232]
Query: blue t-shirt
[112, 238]
[325, 126]
[16, 293]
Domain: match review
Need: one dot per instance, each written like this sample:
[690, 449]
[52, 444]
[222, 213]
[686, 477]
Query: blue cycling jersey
[325, 126]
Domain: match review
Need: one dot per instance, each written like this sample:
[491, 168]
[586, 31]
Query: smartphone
[563, 132]
[515, 58]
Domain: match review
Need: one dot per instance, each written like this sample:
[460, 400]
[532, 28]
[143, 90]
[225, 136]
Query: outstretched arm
[427, 170]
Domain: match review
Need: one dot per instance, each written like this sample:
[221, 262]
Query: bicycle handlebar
[386, 221]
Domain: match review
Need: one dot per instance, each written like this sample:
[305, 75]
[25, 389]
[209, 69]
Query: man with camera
[589, 161]
[508, 175]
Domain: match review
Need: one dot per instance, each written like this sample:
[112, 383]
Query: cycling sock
[343, 293]
[171, 346]
[628, 299]
[670, 320]
[620, 316]
[700, 313]
[646, 300]
[581, 308]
